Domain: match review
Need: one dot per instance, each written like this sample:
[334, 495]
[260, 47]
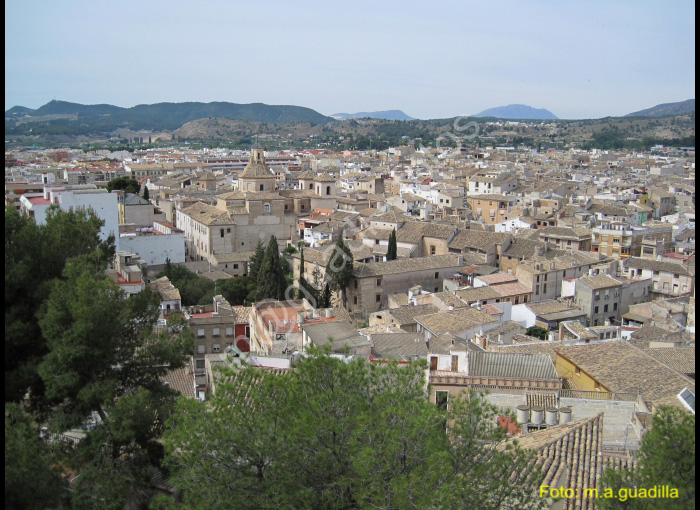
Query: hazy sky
[577, 59]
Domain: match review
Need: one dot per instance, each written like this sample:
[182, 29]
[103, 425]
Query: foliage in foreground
[666, 457]
[330, 434]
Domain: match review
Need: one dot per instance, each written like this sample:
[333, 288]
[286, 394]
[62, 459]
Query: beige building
[371, 284]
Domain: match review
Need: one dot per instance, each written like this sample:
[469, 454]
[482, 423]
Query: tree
[272, 280]
[666, 457]
[339, 268]
[236, 290]
[306, 290]
[537, 332]
[256, 261]
[127, 184]
[326, 297]
[28, 458]
[391, 253]
[105, 358]
[34, 256]
[330, 434]
[145, 193]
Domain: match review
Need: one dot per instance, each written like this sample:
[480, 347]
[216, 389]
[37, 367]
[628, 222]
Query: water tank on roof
[564, 415]
[536, 415]
[522, 414]
[551, 416]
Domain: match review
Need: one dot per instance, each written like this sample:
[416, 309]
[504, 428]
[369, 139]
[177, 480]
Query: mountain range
[169, 116]
[517, 111]
[386, 115]
[659, 110]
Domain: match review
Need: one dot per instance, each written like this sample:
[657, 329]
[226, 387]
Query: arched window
[328, 190]
[267, 208]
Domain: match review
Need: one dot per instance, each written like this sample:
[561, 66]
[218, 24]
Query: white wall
[103, 204]
[522, 315]
[154, 249]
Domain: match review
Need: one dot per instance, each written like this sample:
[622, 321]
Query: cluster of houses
[562, 281]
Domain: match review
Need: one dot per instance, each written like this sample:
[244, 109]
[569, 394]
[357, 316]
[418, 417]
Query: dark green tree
[272, 280]
[326, 297]
[127, 184]
[537, 332]
[34, 256]
[340, 435]
[167, 269]
[306, 291]
[392, 250]
[666, 457]
[235, 290]
[256, 261]
[145, 193]
[339, 268]
[105, 358]
[29, 460]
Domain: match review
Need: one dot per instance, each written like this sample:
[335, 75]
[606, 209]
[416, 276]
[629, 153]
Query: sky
[577, 59]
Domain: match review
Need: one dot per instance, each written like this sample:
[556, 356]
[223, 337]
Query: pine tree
[339, 268]
[391, 253]
[271, 278]
[326, 297]
[168, 269]
[145, 193]
[306, 290]
[256, 261]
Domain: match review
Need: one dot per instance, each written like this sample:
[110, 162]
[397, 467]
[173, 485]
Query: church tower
[256, 176]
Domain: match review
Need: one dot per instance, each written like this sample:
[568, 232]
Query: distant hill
[517, 111]
[17, 111]
[170, 116]
[666, 109]
[386, 115]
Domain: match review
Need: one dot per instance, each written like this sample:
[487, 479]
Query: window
[537, 280]
[229, 331]
[222, 232]
[267, 208]
[376, 241]
[216, 348]
[432, 249]
[544, 288]
[215, 332]
[200, 333]
[614, 306]
[595, 310]
[199, 364]
[354, 300]
[201, 349]
[607, 294]
[379, 282]
[441, 399]
[355, 283]
[437, 275]
[597, 296]
[228, 230]
[577, 371]
[262, 187]
[247, 332]
[378, 298]
[235, 266]
[605, 309]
